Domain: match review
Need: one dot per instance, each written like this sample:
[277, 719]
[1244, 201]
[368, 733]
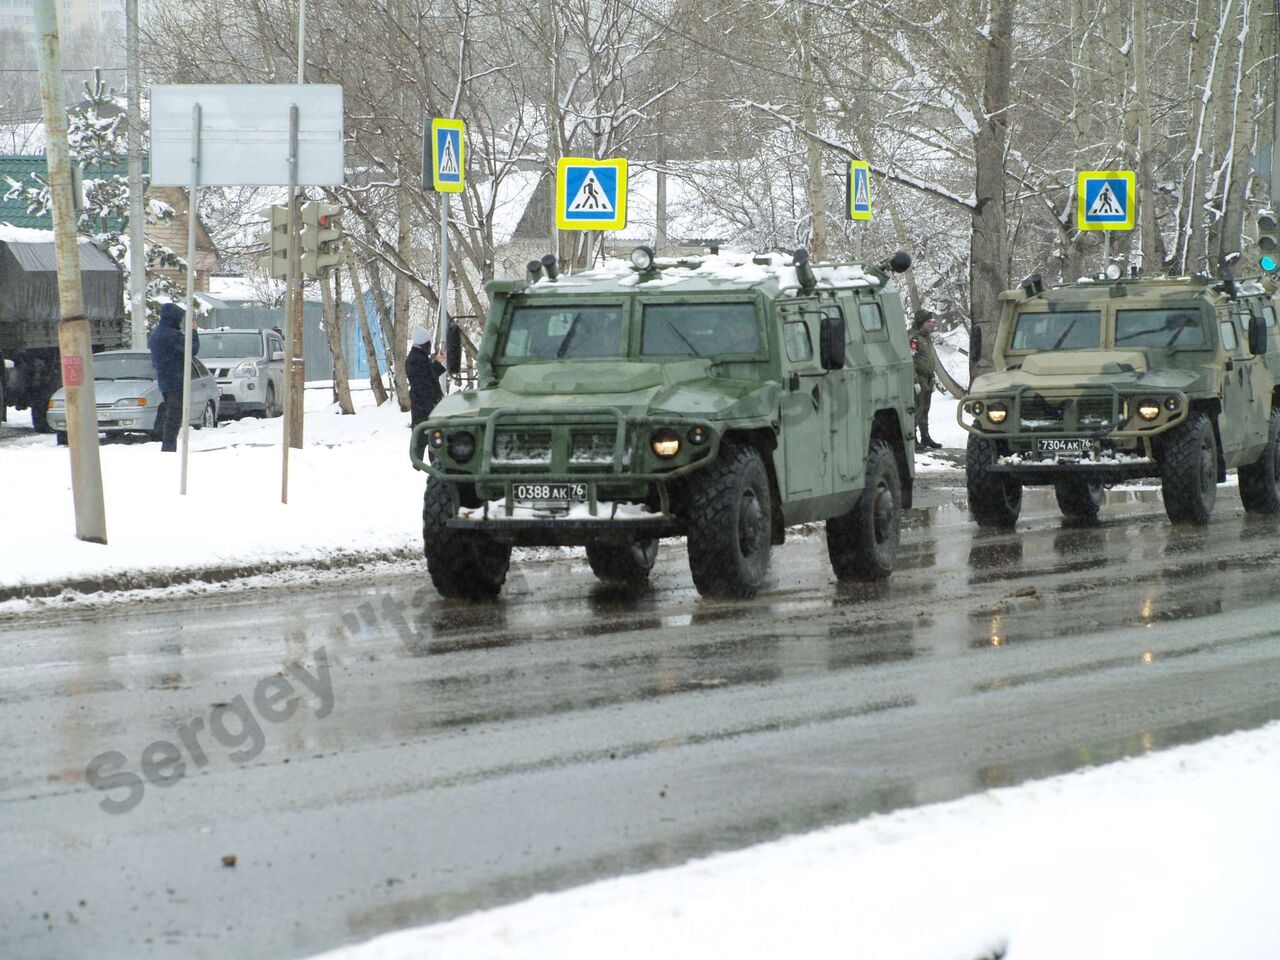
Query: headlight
[437, 439]
[975, 408]
[131, 402]
[997, 413]
[1148, 409]
[665, 444]
[57, 404]
[642, 258]
[462, 446]
[698, 435]
[1171, 403]
[245, 368]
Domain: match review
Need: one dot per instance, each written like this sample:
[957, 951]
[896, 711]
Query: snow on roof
[10, 234]
[729, 268]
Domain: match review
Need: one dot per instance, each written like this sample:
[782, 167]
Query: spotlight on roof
[1114, 271]
[642, 258]
[535, 270]
[551, 265]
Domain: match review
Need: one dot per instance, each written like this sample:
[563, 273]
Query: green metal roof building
[21, 168]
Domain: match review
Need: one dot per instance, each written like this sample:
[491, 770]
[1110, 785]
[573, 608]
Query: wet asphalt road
[479, 754]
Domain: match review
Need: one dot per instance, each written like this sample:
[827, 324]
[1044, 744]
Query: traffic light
[276, 240]
[1268, 242]
[321, 237]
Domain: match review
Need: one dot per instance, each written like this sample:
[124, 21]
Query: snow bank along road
[442, 757]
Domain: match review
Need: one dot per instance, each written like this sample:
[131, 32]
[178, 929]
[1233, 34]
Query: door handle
[794, 383]
[816, 393]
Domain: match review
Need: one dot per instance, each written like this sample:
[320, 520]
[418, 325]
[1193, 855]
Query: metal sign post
[193, 197]
[444, 170]
[292, 348]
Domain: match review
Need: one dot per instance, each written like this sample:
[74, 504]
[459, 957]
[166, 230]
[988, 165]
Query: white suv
[249, 368]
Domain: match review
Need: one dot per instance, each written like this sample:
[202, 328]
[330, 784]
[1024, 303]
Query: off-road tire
[728, 512]
[464, 564]
[863, 543]
[1189, 471]
[1080, 500]
[995, 499]
[61, 437]
[269, 403]
[622, 562]
[1260, 480]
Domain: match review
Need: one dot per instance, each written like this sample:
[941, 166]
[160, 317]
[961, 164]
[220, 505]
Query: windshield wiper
[692, 349]
[1065, 333]
[568, 336]
[1143, 333]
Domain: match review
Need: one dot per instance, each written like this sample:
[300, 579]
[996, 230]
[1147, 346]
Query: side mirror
[975, 342]
[453, 350]
[1257, 335]
[277, 354]
[831, 342]
[900, 262]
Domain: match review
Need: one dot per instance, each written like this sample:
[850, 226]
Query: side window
[1229, 340]
[795, 335]
[871, 316]
[198, 370]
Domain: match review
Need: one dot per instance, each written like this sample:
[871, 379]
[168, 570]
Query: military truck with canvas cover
[30, 313]
[1104, 381]
[719, 399]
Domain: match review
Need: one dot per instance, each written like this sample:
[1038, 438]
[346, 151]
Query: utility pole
[1275, 124]
[75, 343]
[137, 230]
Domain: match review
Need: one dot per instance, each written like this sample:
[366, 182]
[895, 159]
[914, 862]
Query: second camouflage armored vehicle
[1103, 381]
[719, 399]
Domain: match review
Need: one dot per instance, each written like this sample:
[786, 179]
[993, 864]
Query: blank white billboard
[244, 134]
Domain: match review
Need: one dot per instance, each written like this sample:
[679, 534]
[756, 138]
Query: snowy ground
[232, 514]
[1170, 856]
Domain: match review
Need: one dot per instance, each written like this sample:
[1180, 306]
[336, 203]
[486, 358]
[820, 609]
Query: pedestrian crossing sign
[858, 190]
[591, 194]
[446, 142]
[1105, 199]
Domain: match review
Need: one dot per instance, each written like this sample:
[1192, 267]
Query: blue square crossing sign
[858, 191]
[591, 194]
[444, 166]
[1105, 200]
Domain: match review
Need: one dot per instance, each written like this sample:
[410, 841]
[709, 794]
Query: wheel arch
[886, 425]
[765, 441]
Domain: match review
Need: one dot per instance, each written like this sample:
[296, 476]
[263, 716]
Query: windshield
[699, 329]
[214, 345]
[1167, 327]
[550, 333]
[123, 366]
[1062, 330]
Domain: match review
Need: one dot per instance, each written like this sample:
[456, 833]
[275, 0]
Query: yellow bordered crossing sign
[446, 145]
[591, 194]
[858, 191]
[1106, 199]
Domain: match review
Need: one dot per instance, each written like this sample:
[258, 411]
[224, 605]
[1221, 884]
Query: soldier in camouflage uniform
[925, 364]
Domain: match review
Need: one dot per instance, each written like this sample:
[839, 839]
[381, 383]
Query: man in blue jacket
[167, 347]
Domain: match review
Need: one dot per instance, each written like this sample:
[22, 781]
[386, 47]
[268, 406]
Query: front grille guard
[1012, 427]
[606, 416]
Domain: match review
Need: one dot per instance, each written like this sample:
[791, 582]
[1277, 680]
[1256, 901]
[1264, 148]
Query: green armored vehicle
[719, 399]
[1108, 380]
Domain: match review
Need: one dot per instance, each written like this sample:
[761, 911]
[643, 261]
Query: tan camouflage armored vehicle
[1104, 381]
